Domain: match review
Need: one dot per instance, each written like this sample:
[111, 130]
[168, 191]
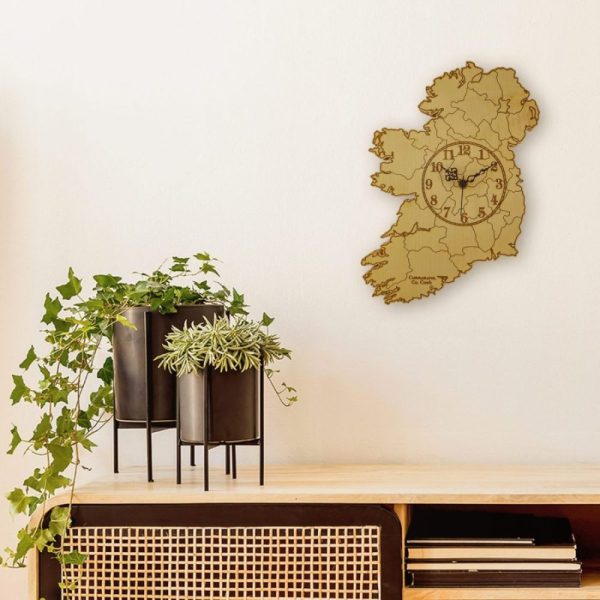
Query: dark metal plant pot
[130, 352]
[233, 406]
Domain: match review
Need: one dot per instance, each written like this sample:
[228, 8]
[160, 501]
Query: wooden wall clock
[464, 198]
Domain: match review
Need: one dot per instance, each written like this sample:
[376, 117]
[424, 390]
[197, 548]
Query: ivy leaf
[71, 288]
[40, 433]
[83, 420]
[25, 544]
[266, 319]
[33, 482]
[43, 539]
[46, 480]
[52, 309]
[74, 558]
[125, 322]
[142, 287]
[61, 325]
[19, 501]
[20, 390]
[31, 356]
[64, 423]
[91, 305]
[203, 286]
[59, 520]
[107, 281]
[237, 306]
[209, 268]
[155, 303]
[179, 265]
[202, 256]
[87, 444]
[101, 399]
[54, 482]
[16, 440]
[61, 456]
[106, 371]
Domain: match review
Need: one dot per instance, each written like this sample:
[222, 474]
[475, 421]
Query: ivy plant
[236, 344]
[70, 382]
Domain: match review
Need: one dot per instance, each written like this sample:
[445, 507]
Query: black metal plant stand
[230, 446]
[149, 424]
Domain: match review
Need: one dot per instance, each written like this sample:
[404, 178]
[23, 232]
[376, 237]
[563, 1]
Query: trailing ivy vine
[70, 382]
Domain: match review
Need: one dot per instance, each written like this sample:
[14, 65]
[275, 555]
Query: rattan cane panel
[226, 562]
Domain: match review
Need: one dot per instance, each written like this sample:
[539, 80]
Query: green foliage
[15, 441]
[28, 360]
[74, 558]
[106, 371]
[74, 406]
[71, 288]
[266, 320]
[52, 309]
[227, 345]
[20, 390]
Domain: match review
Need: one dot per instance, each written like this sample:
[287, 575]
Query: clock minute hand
[471, 178]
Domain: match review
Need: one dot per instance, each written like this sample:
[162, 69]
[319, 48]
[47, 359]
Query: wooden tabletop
[384, 484]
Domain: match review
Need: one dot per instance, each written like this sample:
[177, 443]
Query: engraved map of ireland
[464, 198]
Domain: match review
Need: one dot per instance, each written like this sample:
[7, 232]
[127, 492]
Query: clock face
[464, 183]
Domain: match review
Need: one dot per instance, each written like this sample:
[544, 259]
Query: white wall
[132, 131]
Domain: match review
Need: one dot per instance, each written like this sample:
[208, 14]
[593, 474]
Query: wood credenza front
[328, 531]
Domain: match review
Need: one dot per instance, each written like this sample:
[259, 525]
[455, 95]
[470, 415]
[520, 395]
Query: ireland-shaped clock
[463, 200]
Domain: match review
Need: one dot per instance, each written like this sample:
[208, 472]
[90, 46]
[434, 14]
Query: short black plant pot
[216, 408]
[232, 406]
[134, 351]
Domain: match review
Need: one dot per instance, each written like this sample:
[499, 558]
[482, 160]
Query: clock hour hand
[471, 178]
[451, 174]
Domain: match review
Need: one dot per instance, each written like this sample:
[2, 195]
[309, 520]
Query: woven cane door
[233, 552]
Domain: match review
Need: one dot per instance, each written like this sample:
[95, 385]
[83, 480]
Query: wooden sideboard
[572, 491]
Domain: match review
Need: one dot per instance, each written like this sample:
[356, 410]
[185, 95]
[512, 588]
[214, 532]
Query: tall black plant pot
[145, 394]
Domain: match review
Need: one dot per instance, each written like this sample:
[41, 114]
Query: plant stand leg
[192, 455]
[227, 459]
[178, 435]
[206, 425]
[149, 392]
[115, 445]
[149, 450]
[178, 460]
[206, 448]
[261, 449]
[233, 462]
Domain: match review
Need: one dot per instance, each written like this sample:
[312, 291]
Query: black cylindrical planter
[129, 356]
[233, 406]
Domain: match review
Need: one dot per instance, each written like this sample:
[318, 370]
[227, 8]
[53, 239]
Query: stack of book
[485, 549]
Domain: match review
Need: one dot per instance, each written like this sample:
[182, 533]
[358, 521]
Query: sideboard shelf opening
[585, 522]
